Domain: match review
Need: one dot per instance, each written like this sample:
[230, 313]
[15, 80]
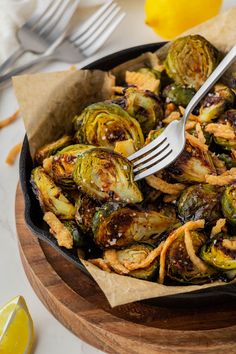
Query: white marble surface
[52, 337]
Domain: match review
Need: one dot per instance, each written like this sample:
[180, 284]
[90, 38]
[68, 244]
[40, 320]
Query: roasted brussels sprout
[78, 238]
[179, 266]
[136, 253]
[215, 103]
[192, 165]
[145, 106]
[63, 163]
[51, 148]
[217, 254]
[190, 60]
[104, 123]
[120, 226]
[50, 196]
[201, 201]
[228, 203]
[178, 94]
[106, 175]
[85, 210]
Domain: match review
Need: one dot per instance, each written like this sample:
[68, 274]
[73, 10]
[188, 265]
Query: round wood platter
[78, 303]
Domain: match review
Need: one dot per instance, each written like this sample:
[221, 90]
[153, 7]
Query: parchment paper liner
[47, 103]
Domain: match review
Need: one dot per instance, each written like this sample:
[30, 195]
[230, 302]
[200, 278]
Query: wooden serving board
[137, 328]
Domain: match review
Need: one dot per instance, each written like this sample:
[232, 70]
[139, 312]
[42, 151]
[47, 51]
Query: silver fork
[82, 43]
[42, 29]
[165, 149]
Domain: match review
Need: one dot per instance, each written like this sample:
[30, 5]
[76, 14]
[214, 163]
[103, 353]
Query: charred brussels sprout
[51, 148]
[106, 175]
[190, 60]
[178, 94]
[104, 123]
[136, 253]
[179, 266]
[78, 238]
[215, 103]
[50, 196]
[145, 106]
[192, 165]
[85, 210]
[228, 203]
[63, 163]
[201, 201]
[218, 254]
[117, 227]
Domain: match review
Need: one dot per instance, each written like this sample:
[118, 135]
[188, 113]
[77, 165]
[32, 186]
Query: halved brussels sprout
[145, 106]
[136, 253]
[63, 164]
[178, 94]
[85, 210]
[50, 196]
[201, 201]
[190, 60]
[215, 254]
[106, 175]
[51, 148]
[78, 238]
[228, 203]
[121, 226]
[104, 123]
[215, 103]
[179, 266]
[192, 165]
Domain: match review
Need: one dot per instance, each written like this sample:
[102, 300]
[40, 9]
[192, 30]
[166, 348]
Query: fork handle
[12, 59]
[212, 79]
[6, 77]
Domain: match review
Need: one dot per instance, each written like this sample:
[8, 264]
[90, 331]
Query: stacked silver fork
[46, 33]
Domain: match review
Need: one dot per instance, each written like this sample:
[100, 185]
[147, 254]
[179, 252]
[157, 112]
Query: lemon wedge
[16, 328]
[169, 18]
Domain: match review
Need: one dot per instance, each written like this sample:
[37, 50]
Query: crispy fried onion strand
[163, 186]
[223, 179]
[58, 230]
[218, 227]
[5, 122]
[12, 155]
[230, 244]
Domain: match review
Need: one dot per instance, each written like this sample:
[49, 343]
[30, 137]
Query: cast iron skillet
[34, 216]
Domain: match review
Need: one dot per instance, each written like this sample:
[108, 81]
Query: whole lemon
[169, 18]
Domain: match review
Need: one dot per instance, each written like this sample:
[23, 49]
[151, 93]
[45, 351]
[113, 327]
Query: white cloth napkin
[13, 13]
